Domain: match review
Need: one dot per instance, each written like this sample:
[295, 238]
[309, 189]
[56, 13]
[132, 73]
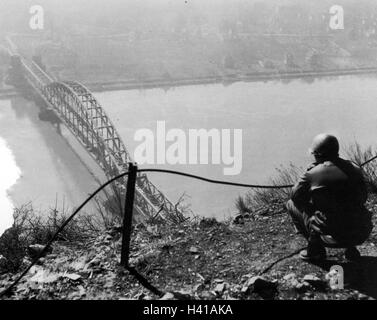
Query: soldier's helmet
[325, 145]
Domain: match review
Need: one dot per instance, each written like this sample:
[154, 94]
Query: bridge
[79, 110]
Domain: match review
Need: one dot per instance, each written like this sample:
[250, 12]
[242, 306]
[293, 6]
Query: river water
[278, 120]
[37, 165]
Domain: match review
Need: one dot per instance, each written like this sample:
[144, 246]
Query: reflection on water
[52, 173]
[9, 174]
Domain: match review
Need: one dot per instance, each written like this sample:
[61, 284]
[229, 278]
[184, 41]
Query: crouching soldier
[327, 203]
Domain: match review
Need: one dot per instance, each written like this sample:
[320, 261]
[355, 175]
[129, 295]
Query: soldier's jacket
[334, 192]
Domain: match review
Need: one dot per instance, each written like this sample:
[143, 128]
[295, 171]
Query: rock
[205, 295]
[294, 283]
[43, 276]
[291, 279]
[142, 261]
[362, 296]
[199, 287]
[3, 261]
[180, 295]
[168, 296]
[219, 289]
[3, 277]
[79, 264]
[315, 281]
[93, 263]
[35, 250]
[208, 222]
[72, 276]
[307, 282]
[51, 256]
[138, 296]
[153, 230]
[289, 276]
[26, 261]
[302, 286]
[73, 295]
[109, 281]
[34, 269]
[194, 250]
[257, 284]
[239, 219]
[183, 295]
[82, 291]
[236, 288]
[311, 278]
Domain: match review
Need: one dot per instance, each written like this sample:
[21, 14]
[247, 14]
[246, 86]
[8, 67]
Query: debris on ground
[200, 260]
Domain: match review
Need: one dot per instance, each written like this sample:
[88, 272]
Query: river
[38, 166]
[278, 121]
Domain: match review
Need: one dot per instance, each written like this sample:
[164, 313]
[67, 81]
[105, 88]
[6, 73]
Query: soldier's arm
[301, 192]
[363, 195]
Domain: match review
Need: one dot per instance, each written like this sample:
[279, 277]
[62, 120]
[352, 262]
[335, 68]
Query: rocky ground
[203, 260]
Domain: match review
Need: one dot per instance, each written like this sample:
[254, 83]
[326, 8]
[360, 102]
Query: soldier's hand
[311, 166]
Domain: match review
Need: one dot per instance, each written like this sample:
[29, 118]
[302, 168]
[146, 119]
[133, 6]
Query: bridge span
[77, 108]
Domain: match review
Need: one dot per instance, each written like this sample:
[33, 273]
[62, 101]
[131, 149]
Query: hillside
[201, 259]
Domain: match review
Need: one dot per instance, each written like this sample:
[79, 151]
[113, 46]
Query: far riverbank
[252, 77]
[131, 84]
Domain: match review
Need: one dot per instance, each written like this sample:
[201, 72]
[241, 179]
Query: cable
[216, 181]
[370, 160]
[269, 267]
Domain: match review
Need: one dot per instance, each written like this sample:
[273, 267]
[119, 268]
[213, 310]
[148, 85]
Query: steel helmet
[325, 145]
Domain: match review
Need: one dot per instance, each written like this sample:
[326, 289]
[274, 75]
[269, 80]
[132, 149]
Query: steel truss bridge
[81, 113]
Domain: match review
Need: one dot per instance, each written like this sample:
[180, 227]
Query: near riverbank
[254, 257]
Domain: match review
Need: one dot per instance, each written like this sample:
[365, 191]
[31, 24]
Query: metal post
[127, 218]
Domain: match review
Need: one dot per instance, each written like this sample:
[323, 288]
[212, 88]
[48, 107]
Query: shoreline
[8, 93]
[101, 86]
[261, 76]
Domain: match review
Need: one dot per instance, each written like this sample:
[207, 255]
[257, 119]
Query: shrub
[259, 198]
[30, 227]
[359, 155]
[241, 205]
